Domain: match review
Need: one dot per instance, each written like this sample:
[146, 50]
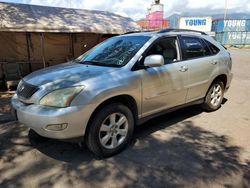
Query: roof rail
[129, 32]
[139, 31]
[180, 30]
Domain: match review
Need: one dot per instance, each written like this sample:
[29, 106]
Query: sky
[136, 9]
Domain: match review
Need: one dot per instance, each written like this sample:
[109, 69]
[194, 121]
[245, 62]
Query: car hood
[66, 74]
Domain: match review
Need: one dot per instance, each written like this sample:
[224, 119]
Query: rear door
[201, 64]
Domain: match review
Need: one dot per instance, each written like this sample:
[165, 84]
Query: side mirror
[154, 61]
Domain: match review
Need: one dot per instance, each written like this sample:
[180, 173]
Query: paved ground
[187, 148]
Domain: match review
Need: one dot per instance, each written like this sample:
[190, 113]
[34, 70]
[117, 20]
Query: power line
[226, 7]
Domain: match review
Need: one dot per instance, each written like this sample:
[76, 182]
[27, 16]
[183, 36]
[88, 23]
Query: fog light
[56, 127]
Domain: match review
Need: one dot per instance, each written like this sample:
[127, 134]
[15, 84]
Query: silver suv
[123, 82]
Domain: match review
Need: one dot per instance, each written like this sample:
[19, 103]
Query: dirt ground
[5, 108]
[186, 148]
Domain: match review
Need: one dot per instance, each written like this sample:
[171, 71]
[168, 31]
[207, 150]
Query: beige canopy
[33, 37]
[32, 18]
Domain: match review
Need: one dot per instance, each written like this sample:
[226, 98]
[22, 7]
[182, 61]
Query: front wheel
[110, 130]
[214, 96]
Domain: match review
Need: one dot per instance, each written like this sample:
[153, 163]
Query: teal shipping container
[231, 25]
[233, 38]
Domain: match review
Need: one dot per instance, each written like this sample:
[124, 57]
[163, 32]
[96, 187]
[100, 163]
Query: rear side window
[207, 50]
[212, 47]
[192, 47]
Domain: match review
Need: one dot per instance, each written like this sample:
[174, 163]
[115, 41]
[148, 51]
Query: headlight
[61, 97]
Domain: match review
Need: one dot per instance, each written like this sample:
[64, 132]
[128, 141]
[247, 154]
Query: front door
[164, 87]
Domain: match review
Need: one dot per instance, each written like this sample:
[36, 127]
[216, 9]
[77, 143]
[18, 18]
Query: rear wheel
[214, 96]
[110, 130]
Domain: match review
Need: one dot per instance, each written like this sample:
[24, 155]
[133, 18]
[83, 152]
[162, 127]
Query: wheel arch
[222, 78]
[207, 100]
[126, 100]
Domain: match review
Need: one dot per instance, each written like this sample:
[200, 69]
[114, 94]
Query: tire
[110, 130]
[214, 96]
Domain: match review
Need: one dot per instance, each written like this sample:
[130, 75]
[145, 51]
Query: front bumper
[37, 117]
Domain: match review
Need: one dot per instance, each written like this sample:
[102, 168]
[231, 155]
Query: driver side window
[166, 47]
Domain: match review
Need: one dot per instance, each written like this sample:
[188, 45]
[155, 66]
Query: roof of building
[32, 18]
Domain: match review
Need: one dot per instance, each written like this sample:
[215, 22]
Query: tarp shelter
[40, 36]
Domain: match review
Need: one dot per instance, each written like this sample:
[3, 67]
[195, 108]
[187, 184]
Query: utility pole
[70, 4]
[226, 7]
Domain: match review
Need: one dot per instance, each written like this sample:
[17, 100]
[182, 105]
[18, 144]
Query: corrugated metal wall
[232, 32]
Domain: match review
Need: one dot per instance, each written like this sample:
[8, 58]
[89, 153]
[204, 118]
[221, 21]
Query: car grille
[26, 90]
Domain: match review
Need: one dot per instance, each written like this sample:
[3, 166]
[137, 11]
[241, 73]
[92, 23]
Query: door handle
[183, 69]
[214, 62]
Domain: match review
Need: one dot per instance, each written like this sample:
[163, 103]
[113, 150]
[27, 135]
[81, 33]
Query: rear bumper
[229, 80]
[38, 117]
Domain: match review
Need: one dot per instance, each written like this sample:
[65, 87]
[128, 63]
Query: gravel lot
[186, 148]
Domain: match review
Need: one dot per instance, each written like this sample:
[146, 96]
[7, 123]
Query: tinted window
[207, 51]
[192, 47]
[115, 52]
[212, 47]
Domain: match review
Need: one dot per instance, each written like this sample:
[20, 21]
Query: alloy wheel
[216, 95]
[113, 130]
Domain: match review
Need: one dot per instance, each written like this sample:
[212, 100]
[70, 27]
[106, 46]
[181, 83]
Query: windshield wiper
[91, 63]
[98, 64]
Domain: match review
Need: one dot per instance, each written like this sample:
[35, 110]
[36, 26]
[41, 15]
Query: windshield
[115, 52]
